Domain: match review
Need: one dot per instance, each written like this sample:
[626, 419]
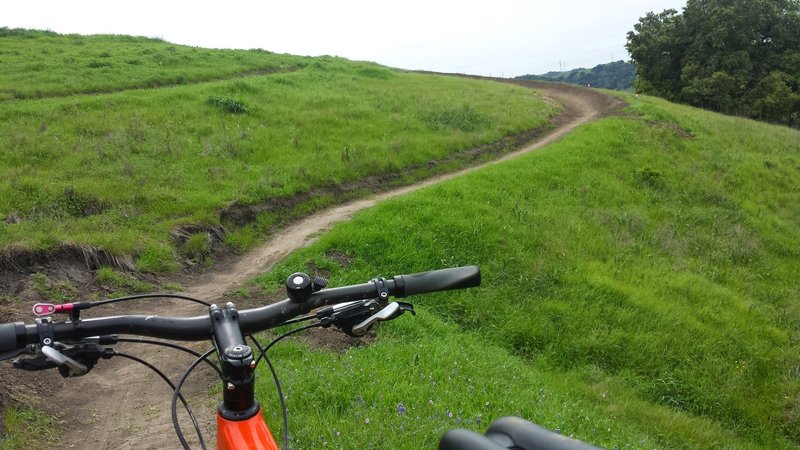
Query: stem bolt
[252, 365]
[231, 387]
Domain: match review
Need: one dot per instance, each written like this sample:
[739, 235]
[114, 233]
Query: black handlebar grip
[437, 280]
[524, 434]
[460, 439]
[8, 337]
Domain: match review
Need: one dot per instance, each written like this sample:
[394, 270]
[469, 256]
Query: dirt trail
[127, 408]
[580, 106]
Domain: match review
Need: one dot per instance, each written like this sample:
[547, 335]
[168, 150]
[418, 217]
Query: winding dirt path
[580, 106]
[127, 408]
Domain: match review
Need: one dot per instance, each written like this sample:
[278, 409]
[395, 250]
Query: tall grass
[640, 290]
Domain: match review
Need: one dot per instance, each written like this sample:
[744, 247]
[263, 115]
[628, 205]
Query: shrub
[95, 64]
[650, 177]
[464, 118]
[157, 259]
[197, 246]
[79, 204]
[228, 104]
[375, 72]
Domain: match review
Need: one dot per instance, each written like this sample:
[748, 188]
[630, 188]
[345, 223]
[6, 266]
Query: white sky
[499, 37]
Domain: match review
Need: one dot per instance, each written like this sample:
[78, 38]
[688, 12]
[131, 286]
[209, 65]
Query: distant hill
[616, 75]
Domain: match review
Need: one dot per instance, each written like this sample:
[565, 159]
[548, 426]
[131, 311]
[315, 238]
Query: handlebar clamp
[44, 325]
[382, 288]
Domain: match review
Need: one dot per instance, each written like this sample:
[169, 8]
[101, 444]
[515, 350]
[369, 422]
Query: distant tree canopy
[734, 56]
[616, 75]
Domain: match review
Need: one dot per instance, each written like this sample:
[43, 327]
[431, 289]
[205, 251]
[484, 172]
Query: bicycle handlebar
[14, 336]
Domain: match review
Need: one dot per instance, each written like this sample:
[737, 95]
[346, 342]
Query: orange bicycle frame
[251, 433]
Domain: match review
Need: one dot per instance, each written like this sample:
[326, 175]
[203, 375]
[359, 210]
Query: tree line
[734, 56]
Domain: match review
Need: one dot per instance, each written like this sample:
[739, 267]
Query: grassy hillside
[36, 64]
[640, 291]
[617, 75]
[122, 171]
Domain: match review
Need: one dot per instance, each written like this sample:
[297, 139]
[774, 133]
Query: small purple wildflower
[449, 414]
[401, 409]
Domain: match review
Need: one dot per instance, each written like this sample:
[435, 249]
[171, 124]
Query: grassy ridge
[35, 64]
[640, 290]
[122, 170]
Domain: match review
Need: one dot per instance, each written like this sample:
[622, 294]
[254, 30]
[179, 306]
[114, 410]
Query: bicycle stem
[237, 363]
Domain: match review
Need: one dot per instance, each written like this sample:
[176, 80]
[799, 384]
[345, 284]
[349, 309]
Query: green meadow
[640, 284]
[124, 171]
[639, 290]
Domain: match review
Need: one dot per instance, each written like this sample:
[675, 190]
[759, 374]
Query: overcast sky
[498, 37]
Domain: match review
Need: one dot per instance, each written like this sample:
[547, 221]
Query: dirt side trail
[121, 405]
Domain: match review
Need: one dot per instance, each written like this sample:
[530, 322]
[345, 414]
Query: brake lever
[357, 317]
[384, 314]
[345, 315]
[71, 361]
[33, 364]
[75, 368]
[391, 311]
[28, 350]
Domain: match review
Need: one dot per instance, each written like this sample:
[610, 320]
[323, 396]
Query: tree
[775, 97]
[734, 56]
[657, 53]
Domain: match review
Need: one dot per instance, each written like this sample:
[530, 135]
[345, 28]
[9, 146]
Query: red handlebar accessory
[46, 309]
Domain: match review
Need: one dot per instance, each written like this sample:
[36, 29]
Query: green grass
[36, 64]
[108, 276]
[120, 171]
[26, 428]
[640, 276]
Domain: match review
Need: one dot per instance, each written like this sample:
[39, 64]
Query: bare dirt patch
[123, 406]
